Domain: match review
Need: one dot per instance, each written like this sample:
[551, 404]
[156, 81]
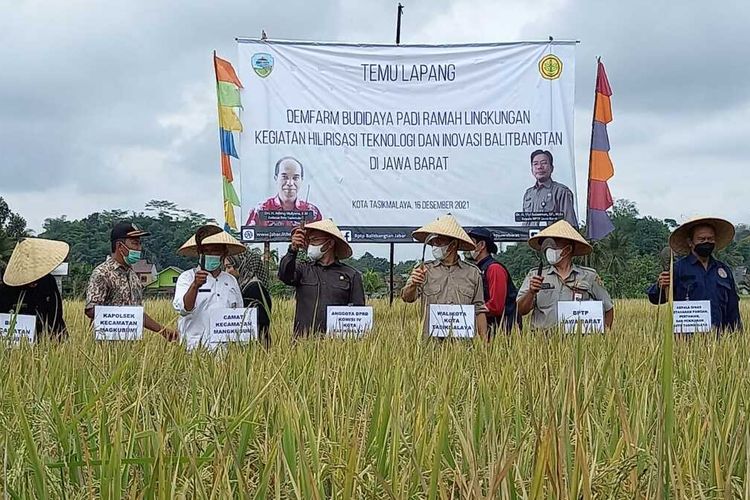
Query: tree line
[628, 259]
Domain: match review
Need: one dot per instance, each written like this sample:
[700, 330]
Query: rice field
[389, 416]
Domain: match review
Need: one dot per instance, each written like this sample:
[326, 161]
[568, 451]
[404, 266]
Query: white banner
[386, 138]
[691, 316]
[232, 325]
[586, 314]
[349, 321]
[450, 320]
[118, 323]
[23, 326]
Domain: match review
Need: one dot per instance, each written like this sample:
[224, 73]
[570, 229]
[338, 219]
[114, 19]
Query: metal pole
[393, 246]
[398, 23]
[399, 13]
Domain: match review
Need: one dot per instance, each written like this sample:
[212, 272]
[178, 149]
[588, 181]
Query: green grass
[390, 416]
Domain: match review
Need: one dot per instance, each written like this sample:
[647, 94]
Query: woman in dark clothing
[29, 288]
[252, 276]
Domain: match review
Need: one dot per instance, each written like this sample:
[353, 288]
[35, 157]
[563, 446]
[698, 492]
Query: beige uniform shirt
[582, 284]
[457, 284]
[551, 196]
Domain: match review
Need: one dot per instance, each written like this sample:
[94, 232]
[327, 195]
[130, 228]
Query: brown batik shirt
[114, 284]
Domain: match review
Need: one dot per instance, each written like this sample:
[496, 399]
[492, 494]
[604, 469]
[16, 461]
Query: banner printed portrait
[385, 138]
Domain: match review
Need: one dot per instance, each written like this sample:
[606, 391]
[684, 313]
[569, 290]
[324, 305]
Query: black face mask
[704, 249]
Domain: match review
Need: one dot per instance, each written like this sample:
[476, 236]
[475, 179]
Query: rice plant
[388, 416]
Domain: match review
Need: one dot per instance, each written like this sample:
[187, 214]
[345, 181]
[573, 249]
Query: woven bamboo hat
[445, 225]
[343, 249]
[211, 235]
[32, 259]
[724, 229]
[562, 230]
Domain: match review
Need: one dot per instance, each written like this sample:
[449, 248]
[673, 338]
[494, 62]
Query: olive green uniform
[583, 283]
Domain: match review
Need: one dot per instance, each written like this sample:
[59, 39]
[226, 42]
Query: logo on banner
[248, 235]
[262, 64]
[550, 67]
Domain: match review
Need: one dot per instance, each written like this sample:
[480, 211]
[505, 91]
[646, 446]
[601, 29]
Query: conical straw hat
[445, 225]
[234, 247]
[563, 230]
[32, 259]
[190, 248]
[343, 249]
[678, 241]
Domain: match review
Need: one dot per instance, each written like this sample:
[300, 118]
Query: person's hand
[170, 334]
[299, 239]
[535, 284]
[664, 280]
[200, 278]
[418, 275]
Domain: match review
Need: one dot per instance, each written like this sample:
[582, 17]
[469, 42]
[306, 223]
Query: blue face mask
[212, 262]
[132, 257]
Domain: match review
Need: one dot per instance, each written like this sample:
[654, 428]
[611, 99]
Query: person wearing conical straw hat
[114, 283]
[29, 288]
[324, 280]
[562, 279]
[699, 275]
[447, 279]
[207, 286]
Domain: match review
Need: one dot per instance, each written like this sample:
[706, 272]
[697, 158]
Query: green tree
[372, 283]
[12, 228]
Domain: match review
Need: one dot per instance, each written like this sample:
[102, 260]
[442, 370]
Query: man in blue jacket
[698, 275]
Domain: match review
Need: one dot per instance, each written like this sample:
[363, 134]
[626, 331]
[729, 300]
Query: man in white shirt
[206, 287]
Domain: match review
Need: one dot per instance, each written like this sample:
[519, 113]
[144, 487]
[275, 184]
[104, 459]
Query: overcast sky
[110, 104]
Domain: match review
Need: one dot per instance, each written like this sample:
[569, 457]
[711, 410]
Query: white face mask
[475, 255]
[439, 252]
[315, 252]
[553, 255]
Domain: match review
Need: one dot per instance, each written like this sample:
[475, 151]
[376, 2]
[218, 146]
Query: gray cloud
[109, 105]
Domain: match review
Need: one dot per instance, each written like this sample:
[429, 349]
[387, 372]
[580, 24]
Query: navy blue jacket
[694, 282]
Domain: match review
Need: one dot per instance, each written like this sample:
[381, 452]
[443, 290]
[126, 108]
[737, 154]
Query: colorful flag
[601, 169]
[228, 120]
[228, 96]
[227, 143]
[225, 71]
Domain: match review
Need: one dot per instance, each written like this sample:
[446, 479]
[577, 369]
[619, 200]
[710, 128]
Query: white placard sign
[692, 316]
[229, 325]
[118, 322]
[24, 327]
[450, 320]
[349, 321]
[376, 120]
[589, 314]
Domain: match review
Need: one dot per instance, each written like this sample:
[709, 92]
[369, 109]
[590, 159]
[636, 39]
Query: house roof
[173, 268]
[143, 267]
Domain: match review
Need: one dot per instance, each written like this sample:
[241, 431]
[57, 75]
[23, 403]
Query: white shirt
[216, 293]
